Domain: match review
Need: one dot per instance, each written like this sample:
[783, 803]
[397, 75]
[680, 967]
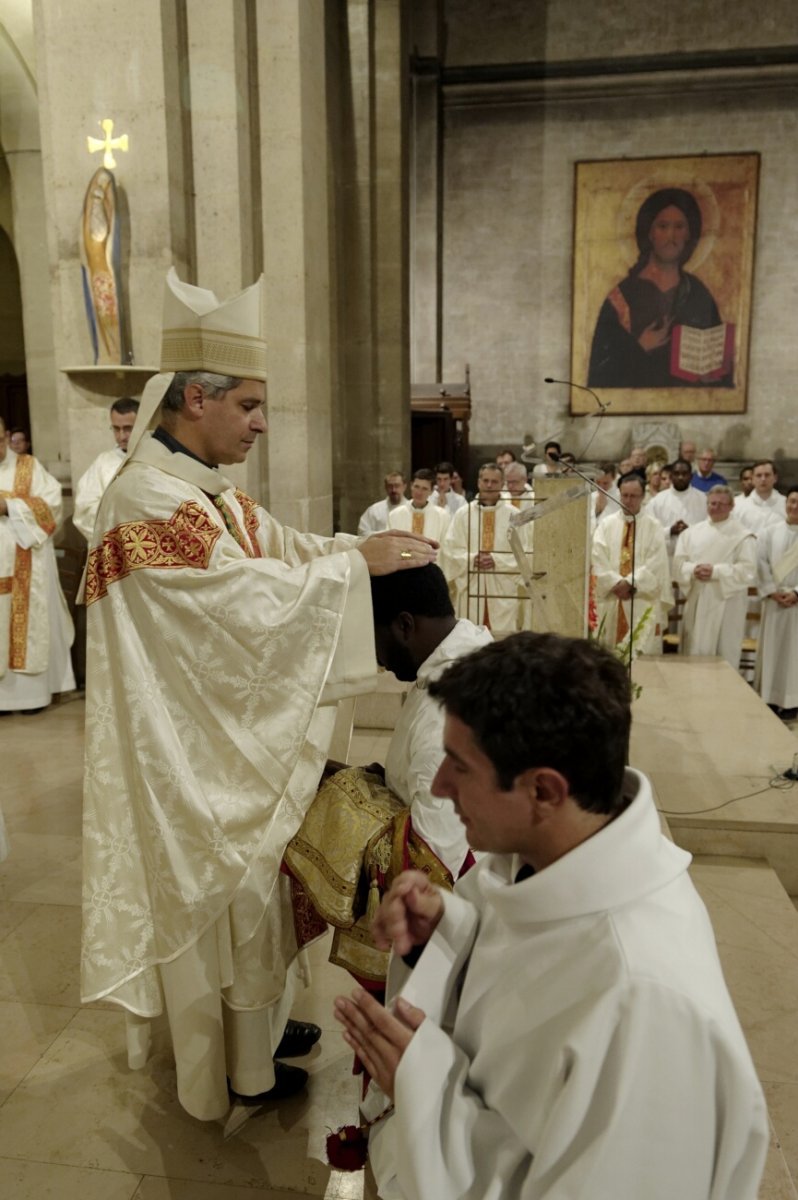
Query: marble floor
[75, 1122]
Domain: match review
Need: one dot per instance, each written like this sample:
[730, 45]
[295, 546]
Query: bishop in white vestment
[777, 660]
[715, 564]
[36, 629]
[214, 635]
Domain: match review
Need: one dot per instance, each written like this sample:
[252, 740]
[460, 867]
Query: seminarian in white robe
[757, 513]
[777, 659]
[485, 597]
[36, 630]
[218, 643]
[416, 750]
[90, 487]
[579, 1039]
[653, 591]
[375, 518]
[672, 506]
[714, 615]
[430, 521]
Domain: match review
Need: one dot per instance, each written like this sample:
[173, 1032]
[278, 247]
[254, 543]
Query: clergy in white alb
[93, 482]
[214, 635]
[36, 630]
[477, 560]
[764, 506]
[777, 660]
[417, 637]
[444, 495]
[714, 565]
[375, 518]
[566, 1030]
[632, 573]
[421, 516]
[679, 506]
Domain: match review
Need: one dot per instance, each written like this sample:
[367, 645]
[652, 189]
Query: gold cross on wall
[109, 144]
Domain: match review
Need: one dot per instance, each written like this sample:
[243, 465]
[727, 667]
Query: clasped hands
[408, 916]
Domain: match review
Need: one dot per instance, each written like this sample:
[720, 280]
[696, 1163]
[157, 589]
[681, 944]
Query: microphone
[581, 387]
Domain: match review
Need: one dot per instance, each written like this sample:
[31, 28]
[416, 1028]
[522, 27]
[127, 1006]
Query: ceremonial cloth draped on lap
[213, 634]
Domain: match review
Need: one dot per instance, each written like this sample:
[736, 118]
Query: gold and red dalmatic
[23, 563]
[186, 539]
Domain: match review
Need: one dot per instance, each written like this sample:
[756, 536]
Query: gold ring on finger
[405, 553]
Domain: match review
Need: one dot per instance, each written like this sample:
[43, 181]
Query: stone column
[373, 425]
[129, 60]
[225, 163]
[296, 249]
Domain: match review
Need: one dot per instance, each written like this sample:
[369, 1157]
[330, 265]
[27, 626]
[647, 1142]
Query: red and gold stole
[625, 568]
[19, 585]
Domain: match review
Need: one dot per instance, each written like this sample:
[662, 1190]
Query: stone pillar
[373, 424]
[19, 135]
[130, 60]
[296, 249]
[425, 194]
[225, 163]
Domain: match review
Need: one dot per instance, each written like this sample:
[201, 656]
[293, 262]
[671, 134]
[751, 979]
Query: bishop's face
[231, 424]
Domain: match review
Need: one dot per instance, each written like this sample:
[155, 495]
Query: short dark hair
[765, 462]
[489, 466]
[552, 445]
[631, 477]
[506, 450]
[680, 462]
[444, 468]
[125, 405]
[422, 592]
[744, 469]
[606, 468]
[541, 700]
[425, 473]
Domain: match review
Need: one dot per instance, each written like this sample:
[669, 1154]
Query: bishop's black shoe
[288, 1081]
[299, 1038]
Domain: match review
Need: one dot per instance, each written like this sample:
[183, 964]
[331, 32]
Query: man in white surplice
[715, 564]
[679, 506]
[763, 506]
[630, 565]
[214, 634]
[418, 637]
[777, 660]
[36, 629]
[546, 1014]
[93, 482]
[477, 560]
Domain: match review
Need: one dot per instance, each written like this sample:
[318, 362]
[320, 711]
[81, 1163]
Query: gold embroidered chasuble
[214, 635]
[480, 594]
[27, 564]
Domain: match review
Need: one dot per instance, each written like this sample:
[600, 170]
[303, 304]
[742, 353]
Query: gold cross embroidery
[108, 144]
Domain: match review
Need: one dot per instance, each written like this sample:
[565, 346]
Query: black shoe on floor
[299, 1038]
[288, 1081]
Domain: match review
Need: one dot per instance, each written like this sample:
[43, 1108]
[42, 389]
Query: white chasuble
[485, 597]
[651, 572]
[35, 627]
[214, 634]
[714, 614]
[777, 660]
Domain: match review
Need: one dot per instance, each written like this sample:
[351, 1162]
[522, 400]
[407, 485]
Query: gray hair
[211, 384]
[721, 489]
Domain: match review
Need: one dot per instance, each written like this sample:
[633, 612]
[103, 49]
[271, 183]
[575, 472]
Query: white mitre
[200, 334]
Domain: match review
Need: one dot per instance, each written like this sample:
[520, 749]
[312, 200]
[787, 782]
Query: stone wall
[509, 151]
